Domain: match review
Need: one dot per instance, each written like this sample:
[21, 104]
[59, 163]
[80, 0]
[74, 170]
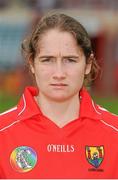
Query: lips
[59, 84]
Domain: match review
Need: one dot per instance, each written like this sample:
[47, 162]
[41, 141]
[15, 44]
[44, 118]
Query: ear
[31, 67]
[89, 64]
[88, 68]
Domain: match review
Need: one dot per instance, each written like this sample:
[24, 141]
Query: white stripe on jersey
[101, 108]
[24, 107]
[9, 125]
[10, 110]
[95, 108]
[109, 125]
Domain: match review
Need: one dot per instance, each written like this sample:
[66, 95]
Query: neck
[61, 113]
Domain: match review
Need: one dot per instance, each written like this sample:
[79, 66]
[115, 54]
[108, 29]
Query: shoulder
[8, 117]
[8, 112]
[107, 114]
[109, 119]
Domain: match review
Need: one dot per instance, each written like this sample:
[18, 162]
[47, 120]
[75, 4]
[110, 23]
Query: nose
[59, 71]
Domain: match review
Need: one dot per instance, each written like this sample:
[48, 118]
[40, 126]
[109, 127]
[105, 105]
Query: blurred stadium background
[17, 18]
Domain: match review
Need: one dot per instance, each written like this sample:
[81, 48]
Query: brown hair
[63, 23]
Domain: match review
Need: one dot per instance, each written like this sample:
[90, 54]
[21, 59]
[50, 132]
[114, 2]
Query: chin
[60, 98]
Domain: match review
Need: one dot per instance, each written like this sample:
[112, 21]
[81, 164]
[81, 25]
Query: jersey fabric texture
[34, 147]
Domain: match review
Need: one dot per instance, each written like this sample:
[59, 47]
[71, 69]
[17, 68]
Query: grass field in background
[7, 102]
[110, 104]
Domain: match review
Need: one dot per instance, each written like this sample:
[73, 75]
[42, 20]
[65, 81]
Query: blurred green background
[7, 102]
[110, 103]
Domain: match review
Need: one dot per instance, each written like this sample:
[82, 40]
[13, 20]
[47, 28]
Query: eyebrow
[69, 56]
[46, 56]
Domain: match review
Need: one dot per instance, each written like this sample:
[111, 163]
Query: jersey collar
[87, 106]
[27, 106]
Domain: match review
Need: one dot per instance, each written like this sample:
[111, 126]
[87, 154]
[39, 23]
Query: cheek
[77, 73]
[42, 73]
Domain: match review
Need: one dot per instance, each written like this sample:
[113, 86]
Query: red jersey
[32, 146]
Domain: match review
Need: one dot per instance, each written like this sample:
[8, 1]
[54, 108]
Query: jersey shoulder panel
[107, 113]
[8, 117]
[109, 119]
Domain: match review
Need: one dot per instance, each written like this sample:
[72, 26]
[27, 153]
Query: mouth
[58, 85]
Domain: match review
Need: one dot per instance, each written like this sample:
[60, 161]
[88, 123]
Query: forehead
[54, 41]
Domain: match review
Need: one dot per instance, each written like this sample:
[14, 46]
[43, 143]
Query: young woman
[56, 130]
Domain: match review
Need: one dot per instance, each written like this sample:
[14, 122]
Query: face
[59, 66]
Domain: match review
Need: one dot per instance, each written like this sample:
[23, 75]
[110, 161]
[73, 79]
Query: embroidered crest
[95, 155]
[23, 159]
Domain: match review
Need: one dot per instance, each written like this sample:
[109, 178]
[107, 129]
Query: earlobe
[89, 64]
[32, 68]
[88, 68]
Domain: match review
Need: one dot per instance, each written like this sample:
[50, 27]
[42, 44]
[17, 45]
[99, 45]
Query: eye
[46, 60]
[70, 60]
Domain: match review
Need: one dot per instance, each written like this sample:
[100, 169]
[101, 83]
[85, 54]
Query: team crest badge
[95, 155]
[23, 159]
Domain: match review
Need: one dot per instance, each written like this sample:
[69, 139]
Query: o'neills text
[60, 148]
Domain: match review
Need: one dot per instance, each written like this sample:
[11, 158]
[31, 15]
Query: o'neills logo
[60, 148]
